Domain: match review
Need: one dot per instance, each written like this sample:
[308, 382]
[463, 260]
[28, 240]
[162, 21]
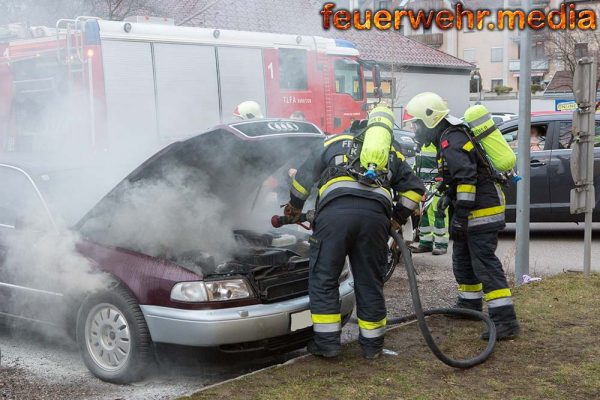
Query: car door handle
[537, 163]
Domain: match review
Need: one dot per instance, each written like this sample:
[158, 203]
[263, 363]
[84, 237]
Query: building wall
[476, 47]
[512, 105]
[453, 86]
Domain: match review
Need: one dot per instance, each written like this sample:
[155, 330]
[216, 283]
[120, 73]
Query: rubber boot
[469, 304]
[371, 353]
[439, 251]
[505, 320]
[420, 249]
[326, 345]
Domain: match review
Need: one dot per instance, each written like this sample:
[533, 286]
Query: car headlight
[197, 292]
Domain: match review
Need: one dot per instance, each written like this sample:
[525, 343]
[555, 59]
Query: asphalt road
[554, 248]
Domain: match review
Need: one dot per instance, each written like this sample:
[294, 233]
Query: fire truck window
[348, 79]
[293, 69]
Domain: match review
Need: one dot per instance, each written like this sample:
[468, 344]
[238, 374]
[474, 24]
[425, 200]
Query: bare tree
[560, 45]
[195, 10]
[118, 10]
[47, 12]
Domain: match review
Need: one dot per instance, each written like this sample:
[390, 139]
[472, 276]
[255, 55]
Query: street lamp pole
[523, 154]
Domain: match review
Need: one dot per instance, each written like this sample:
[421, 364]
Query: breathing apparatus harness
[369, 176]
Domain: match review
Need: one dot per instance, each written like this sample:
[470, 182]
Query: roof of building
[561, 82]
[302, 17]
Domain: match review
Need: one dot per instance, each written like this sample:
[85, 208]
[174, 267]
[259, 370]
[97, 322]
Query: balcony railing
[429, 39]
[536, 65]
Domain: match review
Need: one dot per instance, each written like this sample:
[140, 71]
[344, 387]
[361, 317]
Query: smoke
[168, 216]
[41, 259]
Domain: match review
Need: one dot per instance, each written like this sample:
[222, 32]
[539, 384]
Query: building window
[384, 5]
[497, 82]
[497, 54]
[538, 51]
[293, 69]
[387, 87]
[469, 55]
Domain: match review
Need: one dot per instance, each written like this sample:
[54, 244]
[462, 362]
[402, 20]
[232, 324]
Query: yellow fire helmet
[248, 110]
[427, 107]
[377, 141]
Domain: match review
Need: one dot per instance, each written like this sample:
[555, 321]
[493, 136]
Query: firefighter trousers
[357, 228]
[479, 275]
[433, 227]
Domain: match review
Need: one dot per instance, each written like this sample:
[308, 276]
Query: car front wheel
[113, 337]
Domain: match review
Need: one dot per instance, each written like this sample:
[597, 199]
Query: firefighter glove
[460, 225]
[292, 213]
[401, 214]
[442, 206]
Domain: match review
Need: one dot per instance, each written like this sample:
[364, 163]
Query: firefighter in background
[433, 225]
[248, 110]
[479, 207]
[355, 174]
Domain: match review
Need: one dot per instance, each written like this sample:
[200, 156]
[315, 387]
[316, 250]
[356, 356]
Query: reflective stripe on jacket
[327, 167]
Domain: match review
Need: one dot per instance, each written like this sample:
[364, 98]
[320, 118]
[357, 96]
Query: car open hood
[188, 199]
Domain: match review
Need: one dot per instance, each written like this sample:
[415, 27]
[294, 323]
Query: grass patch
[557, 356]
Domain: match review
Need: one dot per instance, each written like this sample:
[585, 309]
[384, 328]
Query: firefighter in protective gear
[433, 225]
[248, 110]
[353, 220]
[479, 207]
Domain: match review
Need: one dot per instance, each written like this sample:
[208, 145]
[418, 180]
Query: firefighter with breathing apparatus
[355, 175]
[473, 161]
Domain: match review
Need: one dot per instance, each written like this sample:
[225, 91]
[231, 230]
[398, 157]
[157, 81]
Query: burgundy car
[178, 252]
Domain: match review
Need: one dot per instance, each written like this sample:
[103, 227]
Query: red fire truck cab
[99, 83]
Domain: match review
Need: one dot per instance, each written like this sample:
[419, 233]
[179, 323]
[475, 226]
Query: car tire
[113, 337]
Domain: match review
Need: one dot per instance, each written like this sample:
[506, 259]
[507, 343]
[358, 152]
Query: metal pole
[587, 246]
[590, 201]
[523, 155]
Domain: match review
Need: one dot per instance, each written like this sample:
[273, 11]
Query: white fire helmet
[248, 110]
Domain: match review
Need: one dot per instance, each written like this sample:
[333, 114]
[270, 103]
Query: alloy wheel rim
[107, 337]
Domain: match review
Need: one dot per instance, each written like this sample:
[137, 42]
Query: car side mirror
[376, 77]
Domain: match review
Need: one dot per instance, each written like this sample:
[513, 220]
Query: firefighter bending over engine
[248, 110]
[356, 173]
[479, 207]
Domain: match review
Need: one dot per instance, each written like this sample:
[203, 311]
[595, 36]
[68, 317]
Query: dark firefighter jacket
[324, 167]
[470, 183]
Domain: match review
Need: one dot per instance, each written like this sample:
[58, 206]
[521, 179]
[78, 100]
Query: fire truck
[100, 83]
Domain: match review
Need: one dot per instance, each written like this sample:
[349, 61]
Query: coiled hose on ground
[420, 315]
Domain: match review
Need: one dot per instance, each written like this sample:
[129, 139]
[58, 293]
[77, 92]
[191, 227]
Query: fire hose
[420, 314]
